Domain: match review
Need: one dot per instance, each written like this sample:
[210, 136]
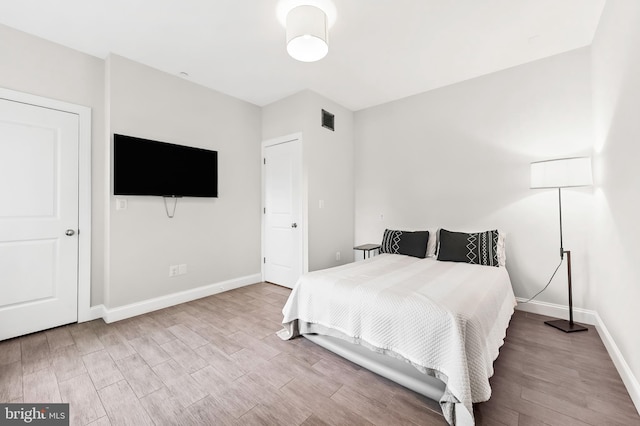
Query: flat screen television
[146, 167]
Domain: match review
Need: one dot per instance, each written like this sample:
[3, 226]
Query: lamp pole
[560, 215]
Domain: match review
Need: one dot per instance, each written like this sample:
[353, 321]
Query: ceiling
[379, 50]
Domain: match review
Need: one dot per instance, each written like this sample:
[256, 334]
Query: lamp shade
[307, 35]
[561, 173]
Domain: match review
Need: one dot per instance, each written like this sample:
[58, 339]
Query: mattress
[446, 319]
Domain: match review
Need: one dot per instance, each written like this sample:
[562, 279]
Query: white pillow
[501, 249]
[432, 244]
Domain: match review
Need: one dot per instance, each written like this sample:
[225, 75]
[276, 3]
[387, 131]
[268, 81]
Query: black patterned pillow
[405, 242]
[479, 248]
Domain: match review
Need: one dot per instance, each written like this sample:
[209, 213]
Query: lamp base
[566, 326]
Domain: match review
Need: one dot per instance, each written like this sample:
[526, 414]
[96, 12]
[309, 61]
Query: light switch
[121, 203]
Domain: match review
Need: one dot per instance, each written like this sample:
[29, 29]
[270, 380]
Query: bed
[433, 326]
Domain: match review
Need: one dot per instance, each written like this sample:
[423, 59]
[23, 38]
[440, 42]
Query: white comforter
[447, 319]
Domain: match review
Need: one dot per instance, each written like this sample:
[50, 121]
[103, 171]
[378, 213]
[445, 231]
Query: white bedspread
[447, 319]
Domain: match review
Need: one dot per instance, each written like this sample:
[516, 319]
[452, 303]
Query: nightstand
[367, 249]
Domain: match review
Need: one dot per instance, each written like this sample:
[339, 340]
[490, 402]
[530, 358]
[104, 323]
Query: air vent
[328, 120]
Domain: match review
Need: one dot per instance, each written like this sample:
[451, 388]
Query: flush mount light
[307, 33]
[308, 28]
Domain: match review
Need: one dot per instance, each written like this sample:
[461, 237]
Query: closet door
[283, 251]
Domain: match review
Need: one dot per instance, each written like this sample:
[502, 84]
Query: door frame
[84, 189]
[303, 236]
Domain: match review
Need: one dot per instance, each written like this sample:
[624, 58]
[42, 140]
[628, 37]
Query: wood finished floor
[217, 361]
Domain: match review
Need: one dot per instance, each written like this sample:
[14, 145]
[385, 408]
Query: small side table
[367, 249]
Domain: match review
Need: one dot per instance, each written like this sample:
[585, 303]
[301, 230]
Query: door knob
[69, 232]
[294, 225]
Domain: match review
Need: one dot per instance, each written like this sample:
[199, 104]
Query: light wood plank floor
[217, 361]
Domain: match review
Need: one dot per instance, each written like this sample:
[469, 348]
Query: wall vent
[328, 120]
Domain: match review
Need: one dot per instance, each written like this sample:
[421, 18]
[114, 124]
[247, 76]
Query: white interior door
[282, 225]
[38, 218]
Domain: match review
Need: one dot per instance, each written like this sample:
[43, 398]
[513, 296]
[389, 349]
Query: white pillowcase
[502, 252]
[432, 244]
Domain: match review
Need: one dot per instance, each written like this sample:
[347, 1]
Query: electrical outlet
[182, 269]
[174, 270]
[337, 255]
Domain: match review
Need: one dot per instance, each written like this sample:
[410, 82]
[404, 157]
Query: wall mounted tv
[146, 167]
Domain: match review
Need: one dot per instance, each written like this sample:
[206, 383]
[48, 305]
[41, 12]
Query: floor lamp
[563, 173]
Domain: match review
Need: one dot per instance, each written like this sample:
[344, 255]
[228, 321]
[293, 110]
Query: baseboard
[94, 313]
[122, 312]
[584, 316]
[629, 380]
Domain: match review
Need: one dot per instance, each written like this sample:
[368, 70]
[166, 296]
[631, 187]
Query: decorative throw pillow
[405, 242]
[479, 248]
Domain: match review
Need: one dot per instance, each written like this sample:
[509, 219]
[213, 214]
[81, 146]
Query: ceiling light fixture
[307, 33]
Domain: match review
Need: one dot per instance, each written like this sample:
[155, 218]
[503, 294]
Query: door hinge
[264, 210]
[264, 161]
[264, 260]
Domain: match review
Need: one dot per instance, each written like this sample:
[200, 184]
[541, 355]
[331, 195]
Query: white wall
[458, 158]
[614, 264]
[327, 171]
[32, 65]
[218, 239]
[132, 249]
